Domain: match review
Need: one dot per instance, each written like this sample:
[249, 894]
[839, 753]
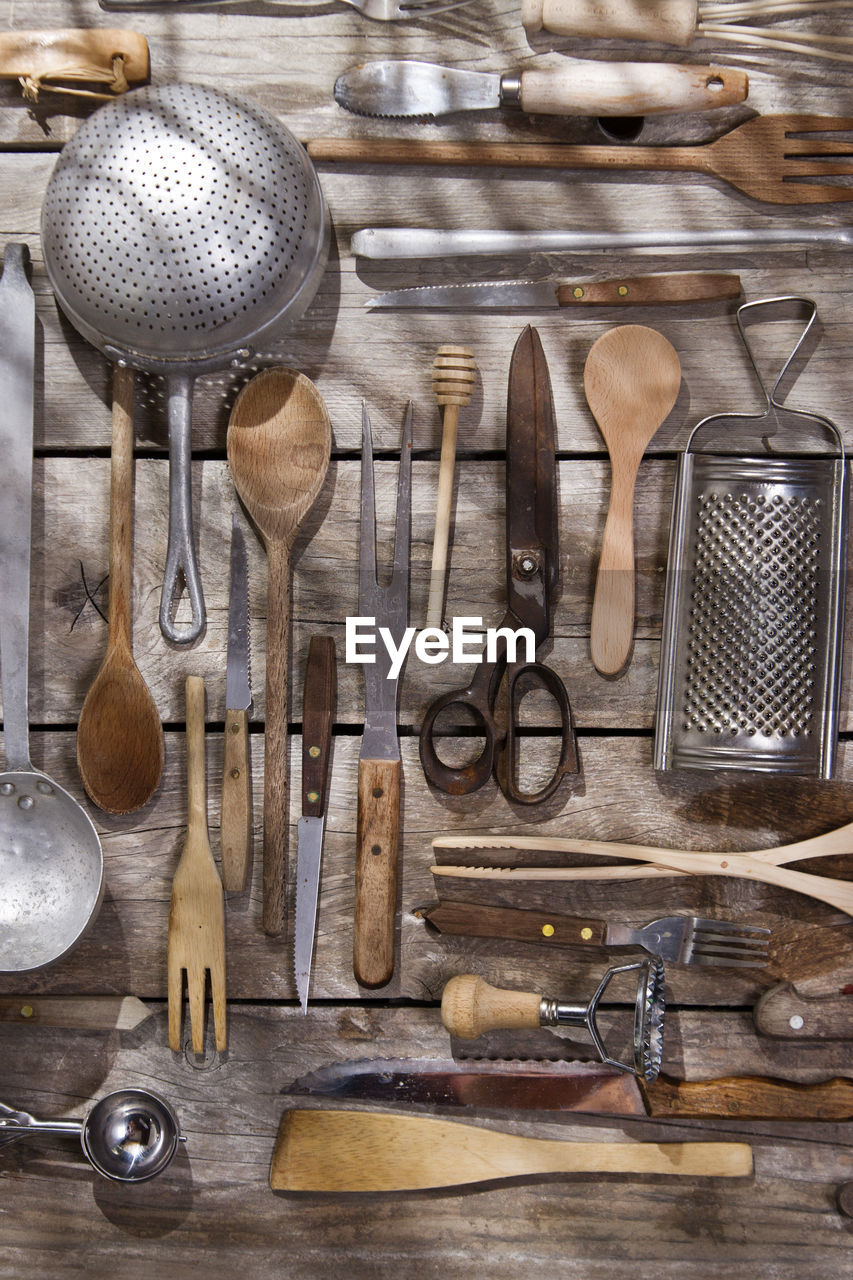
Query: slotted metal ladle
[181, 228]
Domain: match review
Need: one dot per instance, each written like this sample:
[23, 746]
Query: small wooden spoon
[119, 736]
[279, 444]
[631, 378]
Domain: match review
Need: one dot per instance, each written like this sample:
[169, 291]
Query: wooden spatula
[369, 1151]
[631, 379]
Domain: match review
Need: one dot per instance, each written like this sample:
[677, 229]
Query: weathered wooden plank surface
[213, 1211]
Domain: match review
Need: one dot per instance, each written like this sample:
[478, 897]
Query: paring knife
[585, 1087]
[514, 295]
[784, 1012]
[236, 825]
[582, 88]
[318, 714]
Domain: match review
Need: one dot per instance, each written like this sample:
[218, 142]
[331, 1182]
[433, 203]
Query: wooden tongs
[49, 60]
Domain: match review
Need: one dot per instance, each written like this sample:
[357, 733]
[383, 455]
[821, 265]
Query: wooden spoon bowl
[631, 379]
[279, 445]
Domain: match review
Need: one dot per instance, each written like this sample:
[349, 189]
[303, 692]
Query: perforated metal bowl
[182, 227]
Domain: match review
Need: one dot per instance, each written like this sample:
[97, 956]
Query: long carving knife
[318, 714]
[574, 1086]
[236, 824]
[665, 289]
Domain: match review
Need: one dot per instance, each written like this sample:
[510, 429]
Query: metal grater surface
[753, 619]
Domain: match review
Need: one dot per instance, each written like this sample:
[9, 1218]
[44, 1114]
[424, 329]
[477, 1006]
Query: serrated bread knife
[318, 714]
[666, 289]
[423, 90]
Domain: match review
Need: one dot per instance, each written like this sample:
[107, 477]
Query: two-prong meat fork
[197, 910]
[379, 10]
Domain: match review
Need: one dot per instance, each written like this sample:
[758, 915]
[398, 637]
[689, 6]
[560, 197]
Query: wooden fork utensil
[197, 910]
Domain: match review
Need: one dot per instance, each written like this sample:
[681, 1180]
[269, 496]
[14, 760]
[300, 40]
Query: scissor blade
[531, 471]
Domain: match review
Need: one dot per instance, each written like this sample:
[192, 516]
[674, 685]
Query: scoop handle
[17, 364]
[370, 1151]
[180, 554]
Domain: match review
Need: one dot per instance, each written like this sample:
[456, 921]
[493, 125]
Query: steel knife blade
[318, 714]
[236, 823]
[583, 1087]
[591, 87]
[547, 295]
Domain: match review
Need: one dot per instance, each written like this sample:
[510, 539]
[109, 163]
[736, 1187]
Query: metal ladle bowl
[129, 1136]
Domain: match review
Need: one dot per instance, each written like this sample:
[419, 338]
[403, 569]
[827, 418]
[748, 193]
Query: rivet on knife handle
[376, 871]
[318, 709]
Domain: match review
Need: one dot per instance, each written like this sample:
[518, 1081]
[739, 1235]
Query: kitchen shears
[532, 573]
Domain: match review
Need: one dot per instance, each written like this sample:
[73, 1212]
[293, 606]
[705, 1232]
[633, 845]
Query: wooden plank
[213, 1208]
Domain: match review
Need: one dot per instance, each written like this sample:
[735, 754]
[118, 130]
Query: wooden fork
[759, 157]
[197, 910]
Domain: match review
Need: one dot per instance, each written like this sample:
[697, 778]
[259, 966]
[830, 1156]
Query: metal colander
[182, 227]
[753, 620]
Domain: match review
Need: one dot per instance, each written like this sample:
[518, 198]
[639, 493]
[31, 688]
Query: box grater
[754, 606]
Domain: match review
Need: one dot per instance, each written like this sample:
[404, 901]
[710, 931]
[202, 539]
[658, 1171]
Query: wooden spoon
[387, 1151]
[279, 444]
[119, 736]
[631, 379]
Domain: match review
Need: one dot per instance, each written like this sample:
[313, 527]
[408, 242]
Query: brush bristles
[454, 373]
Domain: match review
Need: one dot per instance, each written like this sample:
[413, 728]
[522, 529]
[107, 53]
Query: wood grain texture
[358, 1151]
[470, 1006]
[214, 1208]
[376, 862]
[236, 812]
[673, 23]
[597, 88]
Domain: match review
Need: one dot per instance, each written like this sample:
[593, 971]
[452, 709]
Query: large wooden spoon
[631, 379]
[119, 736]
[279, 444]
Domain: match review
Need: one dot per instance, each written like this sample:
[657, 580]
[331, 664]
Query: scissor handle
[534, 673]
[478, 697]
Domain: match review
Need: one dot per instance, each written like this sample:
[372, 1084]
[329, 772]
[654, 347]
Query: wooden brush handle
[670, 22]
[470, 1006]
[235, 830]
[376, 871]
[276, 816]
[370, 1151]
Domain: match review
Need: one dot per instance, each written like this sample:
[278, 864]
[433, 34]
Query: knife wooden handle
[669, 287]
[81, 1013]
[376, 871]
[673, 22]
[235, 832]
[371, 1151]
[749, 1098]
[318, 713]
[470, 1006]
[598, 88]
[782, 1012]
[522, 926]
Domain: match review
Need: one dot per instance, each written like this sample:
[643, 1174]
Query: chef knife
[236, 823]
[585, 1087]
[318, 714]
[784, 1012]
[516, 295]
[581, 88]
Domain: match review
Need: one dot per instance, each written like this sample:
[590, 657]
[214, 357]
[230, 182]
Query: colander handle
[180, 553]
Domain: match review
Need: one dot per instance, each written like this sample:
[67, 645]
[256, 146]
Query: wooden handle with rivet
[236, 821]
[470, 1006]
[597, 88]
[318, 713]
[377, 836]
[324, 1150]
